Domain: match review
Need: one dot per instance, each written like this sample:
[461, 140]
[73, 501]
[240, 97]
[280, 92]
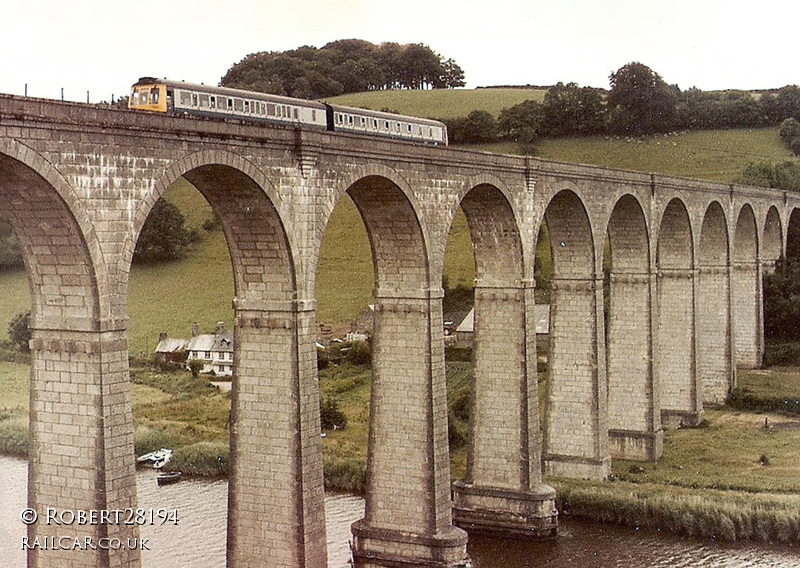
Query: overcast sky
[104, 47]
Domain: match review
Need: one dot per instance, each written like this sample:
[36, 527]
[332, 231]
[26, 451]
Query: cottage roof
[202, 342]
[223, 342]
[171, 345]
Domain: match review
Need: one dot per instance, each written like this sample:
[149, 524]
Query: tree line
[638, 102]
[344, 66]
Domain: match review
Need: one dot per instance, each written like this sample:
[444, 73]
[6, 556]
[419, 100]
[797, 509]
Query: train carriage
[163, 95]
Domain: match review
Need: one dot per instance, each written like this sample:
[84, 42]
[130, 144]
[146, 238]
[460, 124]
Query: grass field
[441, 103]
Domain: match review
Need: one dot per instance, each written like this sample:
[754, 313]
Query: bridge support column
[408, 513]
[714, 348]
[81, 441]
[503, 491]
[276, 497]
[747, 299]
[576, 435]
[675, 362]
[634, 410]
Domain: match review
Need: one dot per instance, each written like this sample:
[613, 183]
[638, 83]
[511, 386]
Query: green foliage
[195, 366]
[570, 110]
[359, 353]
[790, 135]
[782, 306]
[10, 253]
[784, 175]
[163, 236]
[19, 331]
[206, 459]
[477, 127]
[344, 66]
[521, 122]
[640, 102]
[331, 417]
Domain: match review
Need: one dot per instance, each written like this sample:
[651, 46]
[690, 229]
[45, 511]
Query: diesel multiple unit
[162, 95]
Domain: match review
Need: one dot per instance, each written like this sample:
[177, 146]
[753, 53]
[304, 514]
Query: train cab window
[154, 97]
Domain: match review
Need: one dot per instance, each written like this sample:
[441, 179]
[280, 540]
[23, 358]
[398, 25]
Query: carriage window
[295, 113]
[270, 109]
[375, 124]
[238, 105]
[203, 101]
[186, 98]
[386, 125]
[409, 128]
[230, 104]
[247, 106]
[313, 115]
[213, 102]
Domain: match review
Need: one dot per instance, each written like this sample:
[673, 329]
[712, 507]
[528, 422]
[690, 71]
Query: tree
[785, 175]
[572, 110]
[163, 237]
[19, 331]
[521, 122]
[790, 135]
[640, 102]
[478, 126]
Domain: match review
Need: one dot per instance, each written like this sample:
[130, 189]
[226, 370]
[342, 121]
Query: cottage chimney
[220, 327]
[195, 329]
[162, 336]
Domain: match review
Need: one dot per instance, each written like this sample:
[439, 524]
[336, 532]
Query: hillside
[170, 297]
[441, 103]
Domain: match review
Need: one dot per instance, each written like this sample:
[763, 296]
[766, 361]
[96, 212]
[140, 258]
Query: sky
[102, 48]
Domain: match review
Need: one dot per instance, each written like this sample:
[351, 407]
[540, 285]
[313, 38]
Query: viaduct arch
[77, 182]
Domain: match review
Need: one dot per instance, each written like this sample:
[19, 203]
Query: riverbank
[735, 478]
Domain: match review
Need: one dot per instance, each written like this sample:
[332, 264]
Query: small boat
[167, 478]
[157, 459]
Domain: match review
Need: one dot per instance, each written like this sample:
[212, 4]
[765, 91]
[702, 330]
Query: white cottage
[214, 350]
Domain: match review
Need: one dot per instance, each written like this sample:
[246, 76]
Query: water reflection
[198, 541]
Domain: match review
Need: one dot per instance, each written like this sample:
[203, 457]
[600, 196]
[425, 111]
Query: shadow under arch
[504, 474]
[576, 430]
[746, 292]
[80, 396]
[408, 476]
[675, 367]
[714, 337]
[634, 412]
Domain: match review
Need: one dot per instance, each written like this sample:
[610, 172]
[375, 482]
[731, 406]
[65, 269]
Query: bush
[359, 353]
[331, 418]
[208, 459]
[19, 331]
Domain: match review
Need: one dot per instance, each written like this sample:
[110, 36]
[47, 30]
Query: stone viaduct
[684, 309]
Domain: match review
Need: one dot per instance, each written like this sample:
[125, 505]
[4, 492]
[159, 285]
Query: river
[198, 541]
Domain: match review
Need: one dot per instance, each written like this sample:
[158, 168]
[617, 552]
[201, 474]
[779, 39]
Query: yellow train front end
[148, 94]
